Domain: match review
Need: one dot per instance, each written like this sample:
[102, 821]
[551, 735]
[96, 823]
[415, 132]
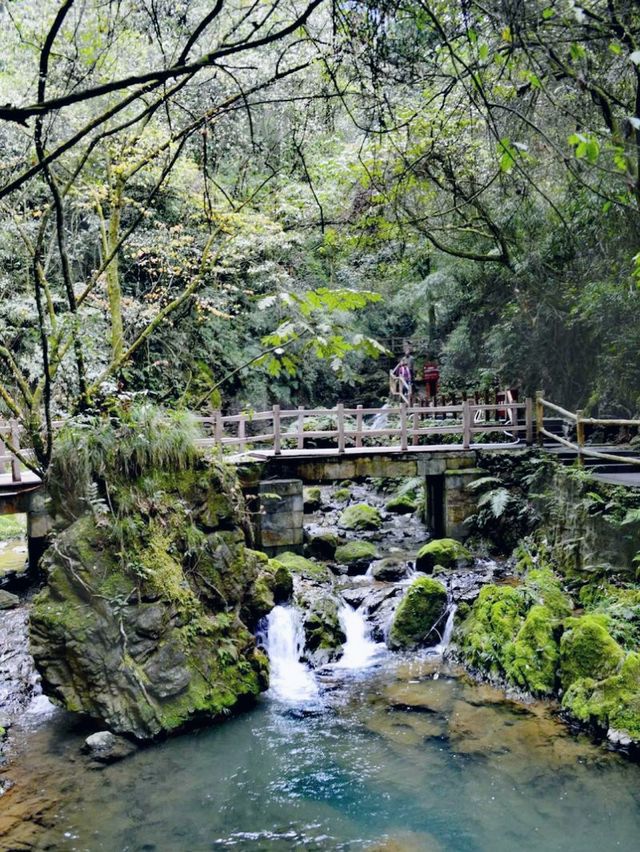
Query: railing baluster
[15, 463]
[403, 427]
[415, 425]
[300, 422]
[217, 427]
[276, 430]
[359, 426]
[540, 416]
[466, 424]
[580, 434]
[241, 434]
[340, 418]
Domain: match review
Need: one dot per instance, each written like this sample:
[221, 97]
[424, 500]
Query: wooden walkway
[342, 430]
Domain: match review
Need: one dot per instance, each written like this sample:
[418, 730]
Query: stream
[375, 751]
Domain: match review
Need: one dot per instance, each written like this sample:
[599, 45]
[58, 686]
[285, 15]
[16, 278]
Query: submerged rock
[419, 615]
[105, 747]
[443, 551]
[360, 516]
[151, 638]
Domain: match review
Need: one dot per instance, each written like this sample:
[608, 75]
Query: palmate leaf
[497, 500]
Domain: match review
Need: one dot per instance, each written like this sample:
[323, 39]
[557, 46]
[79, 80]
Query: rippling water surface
[393, 759]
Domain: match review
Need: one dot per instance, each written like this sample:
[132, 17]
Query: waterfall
[442, 646]
[291, 680]
[359, 651]
[379, 421]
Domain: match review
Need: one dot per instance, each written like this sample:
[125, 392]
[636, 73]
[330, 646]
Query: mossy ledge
[151, 595]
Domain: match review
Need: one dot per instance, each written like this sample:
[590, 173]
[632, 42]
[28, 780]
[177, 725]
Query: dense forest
[235, 204]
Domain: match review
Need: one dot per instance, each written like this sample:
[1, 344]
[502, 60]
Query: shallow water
[393, 760]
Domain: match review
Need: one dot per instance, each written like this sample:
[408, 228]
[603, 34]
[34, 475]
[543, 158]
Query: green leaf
[483, 52]
[548, 13]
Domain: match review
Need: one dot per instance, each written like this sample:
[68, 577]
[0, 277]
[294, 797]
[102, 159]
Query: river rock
[150, 644]
[312, 499]
[356, 555]
[419, 615]
[106, 747]
[321, 544]
[360, 516]
[8, 600]
[390, 569]
[446, 552]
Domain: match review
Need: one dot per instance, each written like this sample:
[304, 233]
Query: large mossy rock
[419, 618]
[486, 636]
[321, 544]
[611, 704]
[356, 555]
[360, 516]
[531, 660]
[587, 650]
[312, 499]
[401, 505]
[305, 568]
[145, 624]
[442, 551]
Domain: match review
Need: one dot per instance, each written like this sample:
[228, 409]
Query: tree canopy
[228, 203]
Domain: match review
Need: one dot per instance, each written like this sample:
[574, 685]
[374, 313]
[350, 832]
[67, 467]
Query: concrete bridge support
[29, 502]
[280, 525]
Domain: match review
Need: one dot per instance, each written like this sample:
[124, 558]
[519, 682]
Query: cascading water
[291, 680]
[359, 651]
[442, 646]
[380, 421]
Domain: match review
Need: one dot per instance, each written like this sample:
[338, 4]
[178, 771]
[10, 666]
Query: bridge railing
[292, 427]
[10, 431]
[580, 421]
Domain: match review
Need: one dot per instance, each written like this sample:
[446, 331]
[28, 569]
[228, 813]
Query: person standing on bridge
[431, 376]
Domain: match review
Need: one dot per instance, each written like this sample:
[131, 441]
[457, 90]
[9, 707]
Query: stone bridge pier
[276, 486]
[29, 502]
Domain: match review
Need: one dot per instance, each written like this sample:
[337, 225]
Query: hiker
[407, 353]
[431, 376]
[403, 371]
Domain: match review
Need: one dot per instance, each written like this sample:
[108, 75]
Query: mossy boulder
[442, 551]
[360, 516]
[419, 618]
[273, 585]
[587, 650]
[403, 505]
[312, 499]
[543, 586]
[152, 639]
[389, 569]
[322, 545]
[356, 555]
[611, 704]
[341, 495]
[486, 636]
[300, 566]
[532, 659]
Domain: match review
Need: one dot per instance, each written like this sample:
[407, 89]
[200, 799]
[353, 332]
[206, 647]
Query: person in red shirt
[431, 376]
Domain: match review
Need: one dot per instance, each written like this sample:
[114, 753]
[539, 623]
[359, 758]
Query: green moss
[341, 495]
[360, 517]
[587, 650]
[12, 526]
[610, 703]
[304, 567]
[322, 545]
[543, 586]
[419, 618]
[443, 551]
[533, 656]
[487, 634]
[356, 551]
[312, 499]
[403, 505]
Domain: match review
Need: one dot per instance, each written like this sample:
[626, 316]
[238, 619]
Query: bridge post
[580, 434]
[404, 440]
[276, 430]
[38, 528]
[359, 426]
[340, 419]
[300, 427]
[217, 427]
[16, 475]
[539, 416]
[528, 420]
[466, 424]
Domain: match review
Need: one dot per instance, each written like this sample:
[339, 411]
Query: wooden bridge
[438, 443]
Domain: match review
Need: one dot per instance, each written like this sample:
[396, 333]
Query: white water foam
[445, 639]
[291, 680]
[359, 651]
